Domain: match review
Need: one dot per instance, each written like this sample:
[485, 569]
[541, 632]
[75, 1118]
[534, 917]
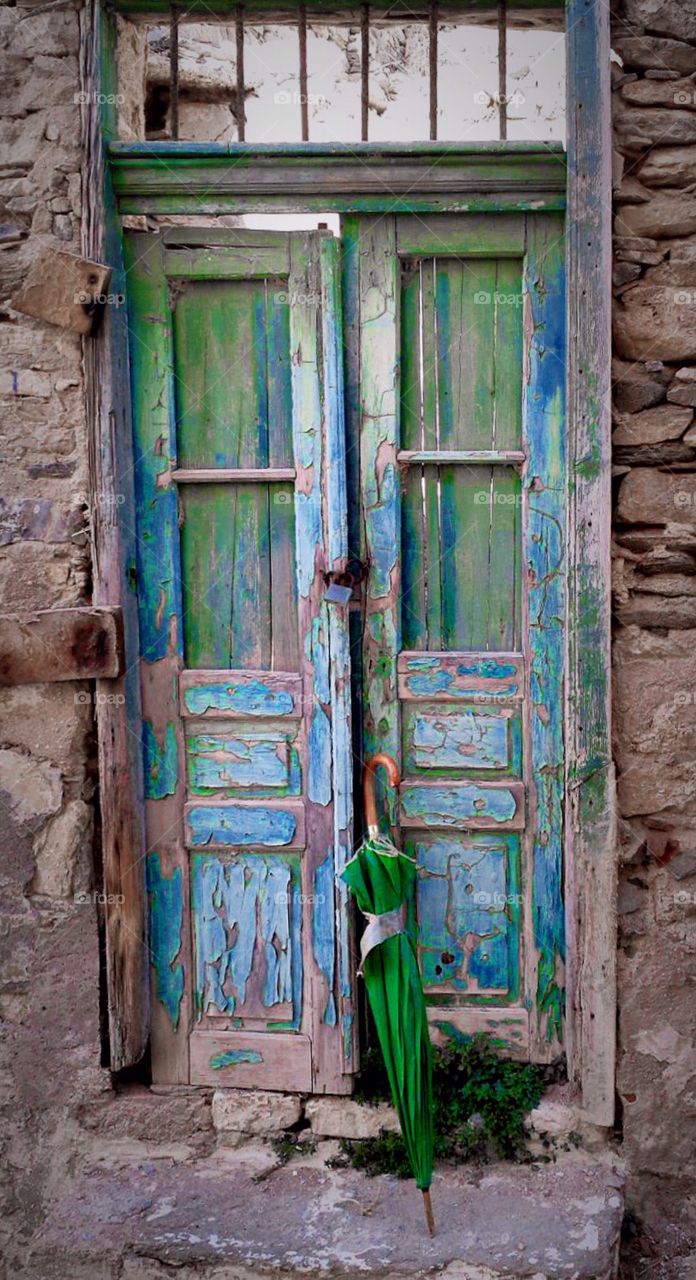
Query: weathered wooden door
[237, 381]
[456, 378]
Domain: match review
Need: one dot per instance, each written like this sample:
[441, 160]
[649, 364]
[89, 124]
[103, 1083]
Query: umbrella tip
[427, 1204]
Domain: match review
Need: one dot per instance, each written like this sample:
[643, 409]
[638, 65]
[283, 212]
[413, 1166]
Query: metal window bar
[502, 69]
[364, 70]
[304, 102]
[241, 109]
[174, 73]
[432, 53]
[433, 33]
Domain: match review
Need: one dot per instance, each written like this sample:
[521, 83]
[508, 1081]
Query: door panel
[245, 675]
[458, 351]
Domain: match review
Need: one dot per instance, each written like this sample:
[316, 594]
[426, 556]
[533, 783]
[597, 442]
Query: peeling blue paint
[161, 762]
[324, 931]
[246, 919]
[235, 1058]
[460, 740]
[448, 806]
[166, 919]
[468, 909]
[252, 698]
[234, 759]
[233, 825]
[319, 782]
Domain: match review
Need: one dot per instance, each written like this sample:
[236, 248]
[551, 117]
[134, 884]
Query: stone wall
[49, 990]
[654, 377]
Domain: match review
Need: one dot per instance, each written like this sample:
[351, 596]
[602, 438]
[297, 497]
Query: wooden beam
[60, 644]
[223, 475]
[118, 713]
[363, 177]
[399, 10]
[591, 856]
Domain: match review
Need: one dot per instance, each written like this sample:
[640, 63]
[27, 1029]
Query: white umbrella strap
[379, 928]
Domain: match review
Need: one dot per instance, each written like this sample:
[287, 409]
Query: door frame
[126, 178]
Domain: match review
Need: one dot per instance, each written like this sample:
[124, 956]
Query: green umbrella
[381, 877]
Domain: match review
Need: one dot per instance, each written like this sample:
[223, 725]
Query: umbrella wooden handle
[369, 776]
[429, 1218]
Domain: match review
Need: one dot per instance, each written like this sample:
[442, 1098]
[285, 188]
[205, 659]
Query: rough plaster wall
[49, 1001]
[654, 113]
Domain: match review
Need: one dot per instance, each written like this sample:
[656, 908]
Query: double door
[302, 402]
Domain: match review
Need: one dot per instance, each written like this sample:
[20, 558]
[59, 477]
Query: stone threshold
[145, 1212]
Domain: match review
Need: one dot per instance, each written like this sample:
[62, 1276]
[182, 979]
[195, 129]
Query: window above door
[270, 74]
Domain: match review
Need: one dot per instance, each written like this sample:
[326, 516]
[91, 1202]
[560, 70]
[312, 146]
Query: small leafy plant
[480, 1101]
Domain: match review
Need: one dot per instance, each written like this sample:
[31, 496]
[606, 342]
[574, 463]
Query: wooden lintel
[182, 177]
[60, 644]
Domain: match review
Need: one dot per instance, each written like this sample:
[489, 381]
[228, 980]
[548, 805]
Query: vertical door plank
[320, 1017]
[507, 354]
[379, 478]
[544, 555]
[410, 386]
[431, 440]
[466, 327]
[335, 480]
[221, 361]
[504, 584]
[250, 617]
[413, 606]
[159, 611]
[277, 331]
[209, 520]
[466, 513]
[283, 585]
[413, 534]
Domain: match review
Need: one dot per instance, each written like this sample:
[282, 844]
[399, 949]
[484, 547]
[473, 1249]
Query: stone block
[31, 789]
[649, 496]
[255, 1111]
[652, 425]
[331, 1117]
[670, 18]
[636, 387]
[660, 93]
[669, 213]
[63, 852]
[655, 717]
[644, 52]
[656, 319]
[639, 128]
[669, 167]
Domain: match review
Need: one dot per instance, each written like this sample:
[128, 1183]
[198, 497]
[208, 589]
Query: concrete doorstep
[135, 1214]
